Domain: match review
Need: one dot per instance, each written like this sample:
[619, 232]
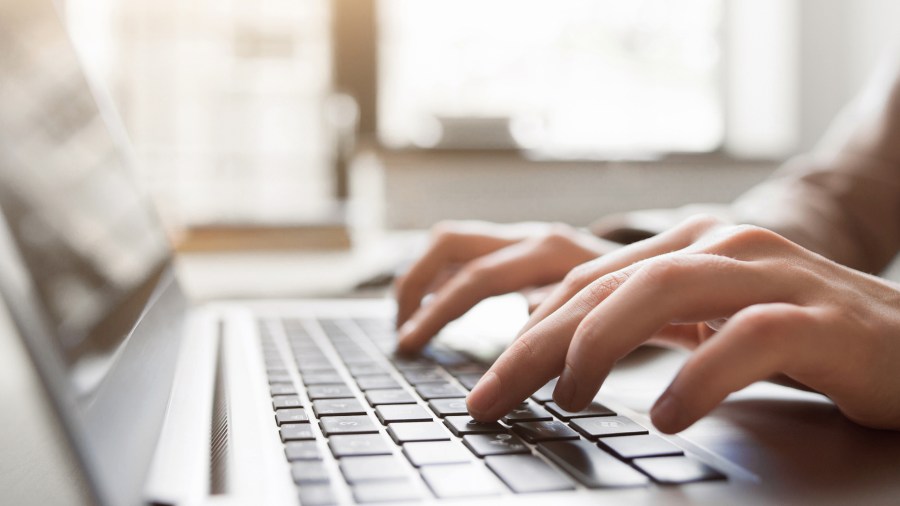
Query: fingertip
[668, 414]
[483, 397]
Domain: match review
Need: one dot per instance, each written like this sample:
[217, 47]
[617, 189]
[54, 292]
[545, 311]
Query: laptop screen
[83, 230]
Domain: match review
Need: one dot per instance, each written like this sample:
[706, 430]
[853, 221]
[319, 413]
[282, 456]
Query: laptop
[302, 401]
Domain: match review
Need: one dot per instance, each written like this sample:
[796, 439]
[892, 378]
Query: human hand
[467, 262]
[749, 302]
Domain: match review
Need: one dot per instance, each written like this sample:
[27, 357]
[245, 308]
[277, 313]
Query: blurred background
[406, 112]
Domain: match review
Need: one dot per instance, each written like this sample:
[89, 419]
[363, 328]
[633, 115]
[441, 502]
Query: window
[570, 77]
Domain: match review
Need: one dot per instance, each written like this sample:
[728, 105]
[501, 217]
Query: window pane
[569, 76]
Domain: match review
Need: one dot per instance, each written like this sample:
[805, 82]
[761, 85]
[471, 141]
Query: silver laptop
[303, 402]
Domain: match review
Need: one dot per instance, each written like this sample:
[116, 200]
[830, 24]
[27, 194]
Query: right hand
[469, 261]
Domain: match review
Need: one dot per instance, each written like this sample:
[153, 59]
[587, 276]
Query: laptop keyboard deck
[385, 425]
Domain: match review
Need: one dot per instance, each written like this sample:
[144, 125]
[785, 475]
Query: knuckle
[664, 270]
[476, 271]
[701, 222]
[579, 276]
[444, 230]
[752, 234]
[596, 291]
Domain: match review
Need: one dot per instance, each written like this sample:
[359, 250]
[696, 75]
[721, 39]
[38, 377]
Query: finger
[675, 239]
[664, 290]
[450, 246]
[513, 268]
[536, 296]
[532, 359]
[755, 344]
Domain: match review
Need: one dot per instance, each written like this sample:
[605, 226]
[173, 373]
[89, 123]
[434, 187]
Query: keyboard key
[448, 407]
[465, 424]
[590, 465]
[382, 467]
[296, 432]
[545, 393]
[440, 390]
[317, 495]
[359, 444]
[379, 381]
[679, 469]
[411, 363]
[389, 413]
[286, 401]
[329, 392]
[292, 415]
[408, 432]
[527, 413]
[332, 407]
[544, 431]
[484, 445]
[436, 452]
[418, 376]
[643, 445]
[469, 380]
[321, 378]
[385, 491]
[604, 426]
[314, 365]
[369, 369]
[282, 377]
[467, 368]
[309, 471]
[302, 450]
[528, 474]
[461, 480]
[594, 409]
[282, 389]
[389, 396]
[347, 425]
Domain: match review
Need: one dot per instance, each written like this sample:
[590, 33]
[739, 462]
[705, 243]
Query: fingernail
[666, 414]
[484, 395]
[565, 389]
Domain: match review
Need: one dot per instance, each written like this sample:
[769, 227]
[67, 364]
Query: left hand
[750, 303]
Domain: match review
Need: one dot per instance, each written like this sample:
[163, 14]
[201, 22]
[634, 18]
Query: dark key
[436, 452]
[465, 424]
[594, 409]
[321, 378]
[643, 445]
[545, 393]
[292, 415]
[484, 445]
[408, 364]
[544, 431]
[402, 413]
[332, 407]
[281, 377]
[468, 368]
[469, 380]
[679, 469]
[385, 491]
[379, 381]
[527, 413]
[286, 401]
[440, 390]
[317, 494]
[389, 396]
[604, 426]
[313, 366]
[282, 389]
[359, 444]
[329, 392]
[296, 432]
[309, 471]
[461, 480]
[360, 424]
[527, 474]
[590, 465]
[302, 450]
[382, 467]
[408, 432]
[448, 407]
[357, 370]
[418, 376]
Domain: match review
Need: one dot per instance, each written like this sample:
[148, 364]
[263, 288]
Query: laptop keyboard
[392, 429]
